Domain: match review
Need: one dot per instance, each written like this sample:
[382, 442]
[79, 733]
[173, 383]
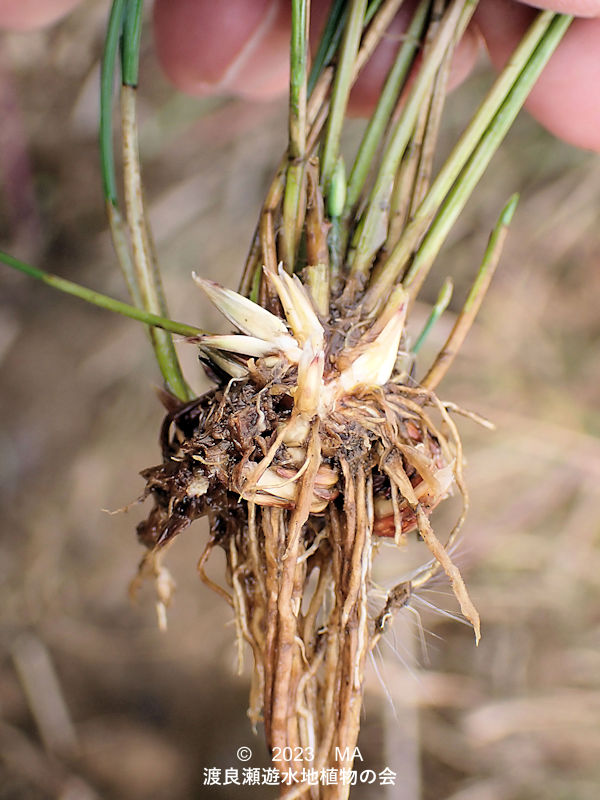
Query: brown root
[299, 549]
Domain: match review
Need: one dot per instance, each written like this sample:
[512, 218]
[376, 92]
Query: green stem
[329, 43]
[496, 236]
[441, 304]
[146, 270]
[132, 33]
[432, 120]
[120, 242]
[291, 208]
[336, 201]
[341, 90]
[107, 156]
[99, 299]
[141, 274]
[147, 274]
[297, 128]
[372, 227]
[107, 80]
[480, 158]
[298, 78]
[372, 9]
[465, 319]
[389, 270]
[385, 106]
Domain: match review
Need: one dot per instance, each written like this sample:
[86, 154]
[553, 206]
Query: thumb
[237, 46]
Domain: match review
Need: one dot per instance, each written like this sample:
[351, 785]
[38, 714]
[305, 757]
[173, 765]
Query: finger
[566, 98]
[239, 46]
[580, 8]
[25, 15]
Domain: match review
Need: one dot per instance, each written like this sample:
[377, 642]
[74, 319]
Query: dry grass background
[94, 701]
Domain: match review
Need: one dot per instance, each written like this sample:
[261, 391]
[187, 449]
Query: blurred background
[95, 702]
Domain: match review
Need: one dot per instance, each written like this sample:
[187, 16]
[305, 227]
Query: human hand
[246, 50]
[566, 97]
[242, 47]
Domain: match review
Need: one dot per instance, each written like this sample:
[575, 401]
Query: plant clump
[322, 437]
[318, 441]
[313, 449]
